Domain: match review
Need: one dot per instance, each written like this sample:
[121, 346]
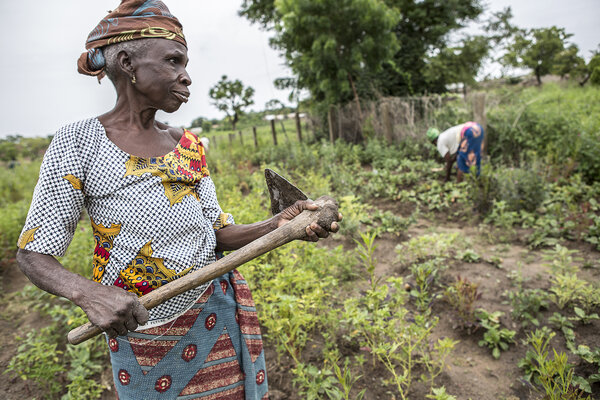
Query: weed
[462, 296]
[494, 337]
[562, 260]
[39, 360]
[555, 375]
[527, 304]
[566, 327]
[583, 317]
[440, 394]
[566, 289]
[365, 252]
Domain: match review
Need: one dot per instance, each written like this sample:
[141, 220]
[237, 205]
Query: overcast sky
[41, 89]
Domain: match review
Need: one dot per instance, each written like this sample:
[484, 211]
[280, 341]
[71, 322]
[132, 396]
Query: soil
[471, 371]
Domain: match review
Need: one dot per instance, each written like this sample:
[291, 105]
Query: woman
[462, 143]
[155, 217]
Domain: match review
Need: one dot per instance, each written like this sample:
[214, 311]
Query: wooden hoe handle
[295, 229]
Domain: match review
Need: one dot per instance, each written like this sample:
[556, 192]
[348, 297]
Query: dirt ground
[471, 371]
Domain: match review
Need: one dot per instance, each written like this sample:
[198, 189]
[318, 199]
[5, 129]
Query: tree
[568, 62]
[537, 49]
[231, 97]
[422, 30]
[458, 64]
[329, 43]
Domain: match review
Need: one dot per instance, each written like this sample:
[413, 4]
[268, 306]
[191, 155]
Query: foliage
[328, 52]
[538, 49]
[555, 375]
[462, 295]
[38, 359]
[231, 97]
[426, 247]
[527, 305]
[494, 337]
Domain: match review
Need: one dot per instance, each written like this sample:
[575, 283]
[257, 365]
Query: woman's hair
[135, 48]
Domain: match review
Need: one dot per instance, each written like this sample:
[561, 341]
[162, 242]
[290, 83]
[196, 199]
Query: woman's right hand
[112, 309]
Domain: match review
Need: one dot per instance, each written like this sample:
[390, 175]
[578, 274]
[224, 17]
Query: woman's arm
[110, 308]
[232, 237]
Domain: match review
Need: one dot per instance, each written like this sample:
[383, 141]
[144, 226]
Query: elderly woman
[462, 143]
[155, 218]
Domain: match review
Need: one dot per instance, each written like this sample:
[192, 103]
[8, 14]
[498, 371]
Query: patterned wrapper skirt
[213, 351]
[471, 144]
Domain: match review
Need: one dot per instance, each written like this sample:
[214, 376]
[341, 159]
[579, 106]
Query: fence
[395, 118]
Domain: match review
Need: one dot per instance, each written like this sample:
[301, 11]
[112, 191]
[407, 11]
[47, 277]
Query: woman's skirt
[470, 148]
[213, 351]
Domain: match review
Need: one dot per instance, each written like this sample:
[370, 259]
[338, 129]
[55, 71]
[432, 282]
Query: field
[488, 289]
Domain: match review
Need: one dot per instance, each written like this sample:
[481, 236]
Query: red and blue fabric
[470, 147]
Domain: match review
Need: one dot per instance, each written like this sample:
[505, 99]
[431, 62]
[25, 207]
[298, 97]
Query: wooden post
[241, 138]
[388, 125]
[330, 122]
[480, 117]
[255, 138]
[231, 136]
[214, 142]
[274, 132]
[298, 127]
[340, 133]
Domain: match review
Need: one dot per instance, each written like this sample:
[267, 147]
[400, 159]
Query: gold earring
[133, 81]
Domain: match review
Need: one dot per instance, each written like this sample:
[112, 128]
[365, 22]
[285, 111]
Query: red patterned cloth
[213, 351]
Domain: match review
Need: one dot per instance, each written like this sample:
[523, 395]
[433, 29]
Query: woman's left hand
[314, 232]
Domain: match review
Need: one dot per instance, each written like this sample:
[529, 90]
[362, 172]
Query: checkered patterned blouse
[154, 219]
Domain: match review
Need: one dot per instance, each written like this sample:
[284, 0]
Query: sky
[42, 91]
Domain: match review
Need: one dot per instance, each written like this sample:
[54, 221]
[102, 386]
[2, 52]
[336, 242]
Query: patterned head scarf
[133, 19]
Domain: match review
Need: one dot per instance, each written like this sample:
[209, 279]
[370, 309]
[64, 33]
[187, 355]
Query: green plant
[494, 337]
[562, 260]
[555, 375]
[424, 275]
[470, 256]
[462, 295]
[527, 304]
[39, 360]
[365, 252]
[427, 247]
[566, 288]
[440, 394]
[583, 317]
[566, 327]
[344, 378]
[592, 357]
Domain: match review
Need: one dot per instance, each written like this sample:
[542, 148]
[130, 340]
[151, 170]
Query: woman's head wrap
[133, 19]
[432, 134]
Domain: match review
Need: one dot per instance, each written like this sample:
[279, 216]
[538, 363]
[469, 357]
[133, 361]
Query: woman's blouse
[153, 219]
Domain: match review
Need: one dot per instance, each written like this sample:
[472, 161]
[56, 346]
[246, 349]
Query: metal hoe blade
[283, 194]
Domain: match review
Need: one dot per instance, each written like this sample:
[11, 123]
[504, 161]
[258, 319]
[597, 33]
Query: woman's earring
[133, 81]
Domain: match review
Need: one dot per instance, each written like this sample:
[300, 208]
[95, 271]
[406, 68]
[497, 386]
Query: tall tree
[231, 97]
[537, 49]
[423, 30]
[458, 64]
[330, 43]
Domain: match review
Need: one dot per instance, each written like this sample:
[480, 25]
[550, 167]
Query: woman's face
[161, 79]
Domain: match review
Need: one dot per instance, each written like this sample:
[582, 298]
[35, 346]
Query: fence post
[231, 135]
[241, 138]
[480, 117]
[388, 125]
[273, 131]
[255, 139]
[330, 122]
[214, 140]
[298, 127]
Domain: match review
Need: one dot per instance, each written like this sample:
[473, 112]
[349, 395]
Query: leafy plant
[555, 376]
[39, 360]
[462, 295]
[583, 317]
[527, 304]
[566, 327]
[494, 337]
[365, 252]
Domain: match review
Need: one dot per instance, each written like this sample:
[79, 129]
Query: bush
[520, 189]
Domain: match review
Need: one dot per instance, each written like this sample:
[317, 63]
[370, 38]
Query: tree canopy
[231, 97]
